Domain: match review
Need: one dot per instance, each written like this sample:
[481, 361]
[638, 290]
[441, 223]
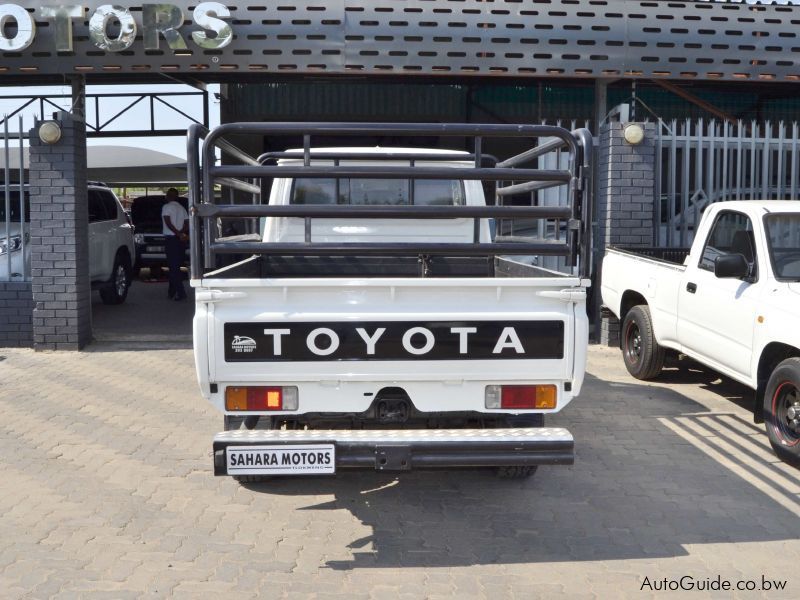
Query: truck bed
[673, 256]
[269, 267]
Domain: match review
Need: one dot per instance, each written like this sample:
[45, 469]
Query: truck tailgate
[344, 339]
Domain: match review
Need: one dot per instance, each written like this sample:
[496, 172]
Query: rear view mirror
[731, 266]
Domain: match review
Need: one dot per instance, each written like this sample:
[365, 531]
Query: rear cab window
[732, 233]
[378, 192]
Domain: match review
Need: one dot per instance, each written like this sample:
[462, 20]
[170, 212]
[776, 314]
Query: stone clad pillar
[60, 238]
[625, 202]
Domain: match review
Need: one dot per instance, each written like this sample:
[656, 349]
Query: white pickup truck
[377, 324]
[733, 305]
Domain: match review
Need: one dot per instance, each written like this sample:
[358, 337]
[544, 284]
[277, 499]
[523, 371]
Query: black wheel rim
[786, 413]
[633, 343]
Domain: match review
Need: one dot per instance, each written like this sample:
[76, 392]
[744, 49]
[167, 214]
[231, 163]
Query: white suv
[111, 245]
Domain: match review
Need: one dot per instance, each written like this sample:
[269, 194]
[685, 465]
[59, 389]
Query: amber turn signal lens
[253, 398]
[236, 398]
[545, 396]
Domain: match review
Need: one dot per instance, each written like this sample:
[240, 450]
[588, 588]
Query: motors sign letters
[113, 28]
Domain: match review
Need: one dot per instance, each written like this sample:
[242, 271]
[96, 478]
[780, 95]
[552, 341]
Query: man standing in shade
[175, 230]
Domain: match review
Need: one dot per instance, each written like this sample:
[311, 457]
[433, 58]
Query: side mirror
[731, 266]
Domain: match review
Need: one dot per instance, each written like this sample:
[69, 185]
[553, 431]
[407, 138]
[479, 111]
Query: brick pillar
[625, 202]
[60, 238]
[16, 306]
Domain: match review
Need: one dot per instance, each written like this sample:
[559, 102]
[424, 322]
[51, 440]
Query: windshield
[378, 192]
[783, 237]
[14, 201]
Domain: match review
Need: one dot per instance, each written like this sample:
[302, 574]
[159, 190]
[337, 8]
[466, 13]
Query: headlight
[13, 246]
[138, 238]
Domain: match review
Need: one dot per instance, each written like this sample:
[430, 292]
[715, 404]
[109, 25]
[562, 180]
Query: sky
[137, 117]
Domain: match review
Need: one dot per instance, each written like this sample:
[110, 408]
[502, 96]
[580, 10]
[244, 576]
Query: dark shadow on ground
[637, 490]
[146, 320]
[688, 371]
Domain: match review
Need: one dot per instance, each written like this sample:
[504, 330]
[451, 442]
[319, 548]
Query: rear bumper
[151, 259]
[407, 449]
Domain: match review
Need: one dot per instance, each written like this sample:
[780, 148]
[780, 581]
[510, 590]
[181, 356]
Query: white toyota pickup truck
[733, 305]
[376, 323]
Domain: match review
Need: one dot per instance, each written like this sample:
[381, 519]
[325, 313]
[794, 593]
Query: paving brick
[108, 492]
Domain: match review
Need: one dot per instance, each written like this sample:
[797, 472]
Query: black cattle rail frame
[510, 177]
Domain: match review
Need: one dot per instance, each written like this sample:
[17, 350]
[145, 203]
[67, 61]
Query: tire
[642, 355]
[516, 472]
[116, 290]
[782, 410]
[526, 420]
[250, 478]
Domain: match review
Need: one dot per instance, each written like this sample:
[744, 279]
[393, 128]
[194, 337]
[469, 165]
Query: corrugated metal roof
[488, 102]
[347, 101]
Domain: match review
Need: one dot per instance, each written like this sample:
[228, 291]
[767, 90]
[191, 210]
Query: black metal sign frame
[520, 39]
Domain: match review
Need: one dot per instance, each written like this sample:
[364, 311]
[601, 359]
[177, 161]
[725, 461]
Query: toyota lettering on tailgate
[477, 340]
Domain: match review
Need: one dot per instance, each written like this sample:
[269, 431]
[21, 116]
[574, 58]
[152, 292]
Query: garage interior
[564, 61]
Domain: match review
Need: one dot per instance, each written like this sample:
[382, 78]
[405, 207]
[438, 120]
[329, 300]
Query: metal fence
[555, 197]
[701, 162]
[14, 213]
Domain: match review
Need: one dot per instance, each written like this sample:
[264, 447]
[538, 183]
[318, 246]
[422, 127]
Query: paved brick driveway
[106, 492]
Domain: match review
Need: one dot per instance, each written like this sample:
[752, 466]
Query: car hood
[794, 287]
[20, 262]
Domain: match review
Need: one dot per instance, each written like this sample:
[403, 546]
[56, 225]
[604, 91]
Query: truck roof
[765, 206]
[380, 150]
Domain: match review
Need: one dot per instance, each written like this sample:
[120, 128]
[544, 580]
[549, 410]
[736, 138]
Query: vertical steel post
[793, 155]
[753, 163]
[698, 176]
[739, 159]
[724, 184]
[25, 274]
[657, 181]
[673, 159]
[780, 175]
[765, 161]
[710, 167]
[687, 148]
[193, 180]
[7, 183]
[78, 97]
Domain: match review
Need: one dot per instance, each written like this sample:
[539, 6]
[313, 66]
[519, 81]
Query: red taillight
[527, 397]
[254, 398]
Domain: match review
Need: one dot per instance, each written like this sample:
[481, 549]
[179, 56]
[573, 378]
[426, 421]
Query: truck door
[98, 225]
[716, 317]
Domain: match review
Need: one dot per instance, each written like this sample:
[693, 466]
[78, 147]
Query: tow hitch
[393, 411]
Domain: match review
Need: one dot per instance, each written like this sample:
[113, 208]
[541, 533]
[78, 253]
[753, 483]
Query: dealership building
[714, 83]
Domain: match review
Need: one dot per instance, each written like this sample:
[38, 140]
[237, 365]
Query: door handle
[691, 287]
